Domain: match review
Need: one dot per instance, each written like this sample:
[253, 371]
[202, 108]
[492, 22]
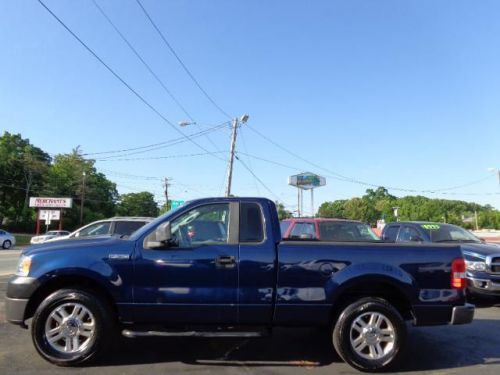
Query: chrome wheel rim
[372, 336]
[70, 328]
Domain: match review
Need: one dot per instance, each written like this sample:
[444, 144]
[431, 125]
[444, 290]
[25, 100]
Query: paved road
[468, 349]
[8, 261]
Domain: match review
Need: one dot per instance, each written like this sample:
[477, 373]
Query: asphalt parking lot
[431, 350]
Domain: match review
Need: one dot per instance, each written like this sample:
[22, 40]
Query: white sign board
[49, 215]
[51, 202]
[306, 180]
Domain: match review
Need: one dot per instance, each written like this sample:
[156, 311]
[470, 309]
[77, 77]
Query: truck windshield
[345, 231]
[448, 233]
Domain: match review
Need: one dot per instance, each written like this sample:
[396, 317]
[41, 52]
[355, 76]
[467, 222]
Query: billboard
[306, 180]
[44, 202]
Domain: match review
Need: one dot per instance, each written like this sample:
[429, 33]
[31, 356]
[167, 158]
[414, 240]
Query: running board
[246, 334]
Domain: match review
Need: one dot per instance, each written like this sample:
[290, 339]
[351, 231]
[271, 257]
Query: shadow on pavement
[429, 348]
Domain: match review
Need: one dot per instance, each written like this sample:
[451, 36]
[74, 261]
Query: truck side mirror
[160, 238]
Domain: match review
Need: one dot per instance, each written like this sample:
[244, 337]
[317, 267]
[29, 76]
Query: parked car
[482, 259]
[216, 267]
[7, 240]
[49, 235]
[326, 230]
[119, 225]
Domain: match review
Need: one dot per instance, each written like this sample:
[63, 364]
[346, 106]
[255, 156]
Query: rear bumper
[462, 314]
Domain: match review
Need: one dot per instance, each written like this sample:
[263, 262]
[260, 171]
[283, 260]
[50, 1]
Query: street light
[83, 197]
[186, 123]
[497, 171]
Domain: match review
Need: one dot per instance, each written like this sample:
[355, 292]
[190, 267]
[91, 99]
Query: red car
[326, 230]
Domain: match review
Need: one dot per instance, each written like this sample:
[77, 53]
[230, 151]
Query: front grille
[495, 265]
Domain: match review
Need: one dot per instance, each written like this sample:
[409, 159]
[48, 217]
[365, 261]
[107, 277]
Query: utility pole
[83, 197]
[235, 125]
[166, 192]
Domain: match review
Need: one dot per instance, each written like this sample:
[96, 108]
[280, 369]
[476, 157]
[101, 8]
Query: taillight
[458, 280]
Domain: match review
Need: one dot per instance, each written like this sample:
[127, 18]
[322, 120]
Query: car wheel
[6, 244]
[72, 327]
[369, 334]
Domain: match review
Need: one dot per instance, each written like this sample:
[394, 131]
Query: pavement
[440, 350]
[8, 261]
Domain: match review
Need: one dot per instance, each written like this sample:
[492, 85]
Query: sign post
[45, 207]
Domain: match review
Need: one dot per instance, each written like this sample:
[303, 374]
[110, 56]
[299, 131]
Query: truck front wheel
[369, 334]
[72, 327]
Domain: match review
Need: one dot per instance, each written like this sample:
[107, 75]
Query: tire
[6, 244]
[375, 346]
[70, 313]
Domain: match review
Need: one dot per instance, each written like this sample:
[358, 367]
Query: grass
[22, 239]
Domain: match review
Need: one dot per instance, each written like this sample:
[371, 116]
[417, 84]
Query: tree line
[27, 170]
[379, 204]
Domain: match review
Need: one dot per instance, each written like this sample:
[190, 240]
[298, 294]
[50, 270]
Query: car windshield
[153, 224]
[448, 233]
[346, 231]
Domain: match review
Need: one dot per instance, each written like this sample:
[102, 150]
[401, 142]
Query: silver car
[7, 240]
[47, 236]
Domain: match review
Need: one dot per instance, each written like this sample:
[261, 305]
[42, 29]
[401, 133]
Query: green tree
[71, 175]
[138, 204]
[23, 169]
[283, 213]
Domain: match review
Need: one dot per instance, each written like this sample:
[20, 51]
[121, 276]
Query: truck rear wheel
[369, 334]
[72, 327]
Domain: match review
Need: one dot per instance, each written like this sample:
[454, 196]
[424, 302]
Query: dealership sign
[51, 202]
[306, 180]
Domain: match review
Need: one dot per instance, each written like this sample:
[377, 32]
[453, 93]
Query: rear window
[345, 231]
[127, 227]
[303, 231]
[251, 224]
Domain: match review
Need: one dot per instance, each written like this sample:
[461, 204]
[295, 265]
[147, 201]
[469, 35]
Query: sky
[402, 94]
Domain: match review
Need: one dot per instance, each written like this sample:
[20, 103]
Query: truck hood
[74, 243]
[482, 249]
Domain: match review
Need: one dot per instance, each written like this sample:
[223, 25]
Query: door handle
[225, 261]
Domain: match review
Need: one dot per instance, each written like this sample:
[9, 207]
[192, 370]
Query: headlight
[475, 266]
[24, 265]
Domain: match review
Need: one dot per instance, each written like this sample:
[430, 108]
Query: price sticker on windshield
[430, 226]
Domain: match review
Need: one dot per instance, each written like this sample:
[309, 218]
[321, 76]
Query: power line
[249, 160]
[148, 67]
[177, 156]
[165, 145]
[169, 46]
[341, 177]
[258, 179]
[131, 89]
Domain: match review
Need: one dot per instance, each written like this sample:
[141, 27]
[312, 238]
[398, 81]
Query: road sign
[175, 204]
[49, 215]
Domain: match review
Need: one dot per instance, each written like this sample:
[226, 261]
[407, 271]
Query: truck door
[257, 264]
[195, 280]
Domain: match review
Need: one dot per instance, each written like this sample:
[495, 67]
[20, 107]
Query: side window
[391, 233]
[251, 224]
[284, 225]
[303, 231]
[95, 230]
[408, 234]
[127, 227]
[204, 225]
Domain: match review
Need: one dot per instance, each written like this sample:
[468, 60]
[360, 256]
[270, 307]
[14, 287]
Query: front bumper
[462, 314]
[19, 291]
[15, 309]
[483, 286]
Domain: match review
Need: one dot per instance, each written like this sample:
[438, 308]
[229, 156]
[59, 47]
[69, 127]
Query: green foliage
[283, 213]
[137, 204]
[378, 204]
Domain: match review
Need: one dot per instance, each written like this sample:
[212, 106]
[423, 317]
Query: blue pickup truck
[218, 267]
[482, 260]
